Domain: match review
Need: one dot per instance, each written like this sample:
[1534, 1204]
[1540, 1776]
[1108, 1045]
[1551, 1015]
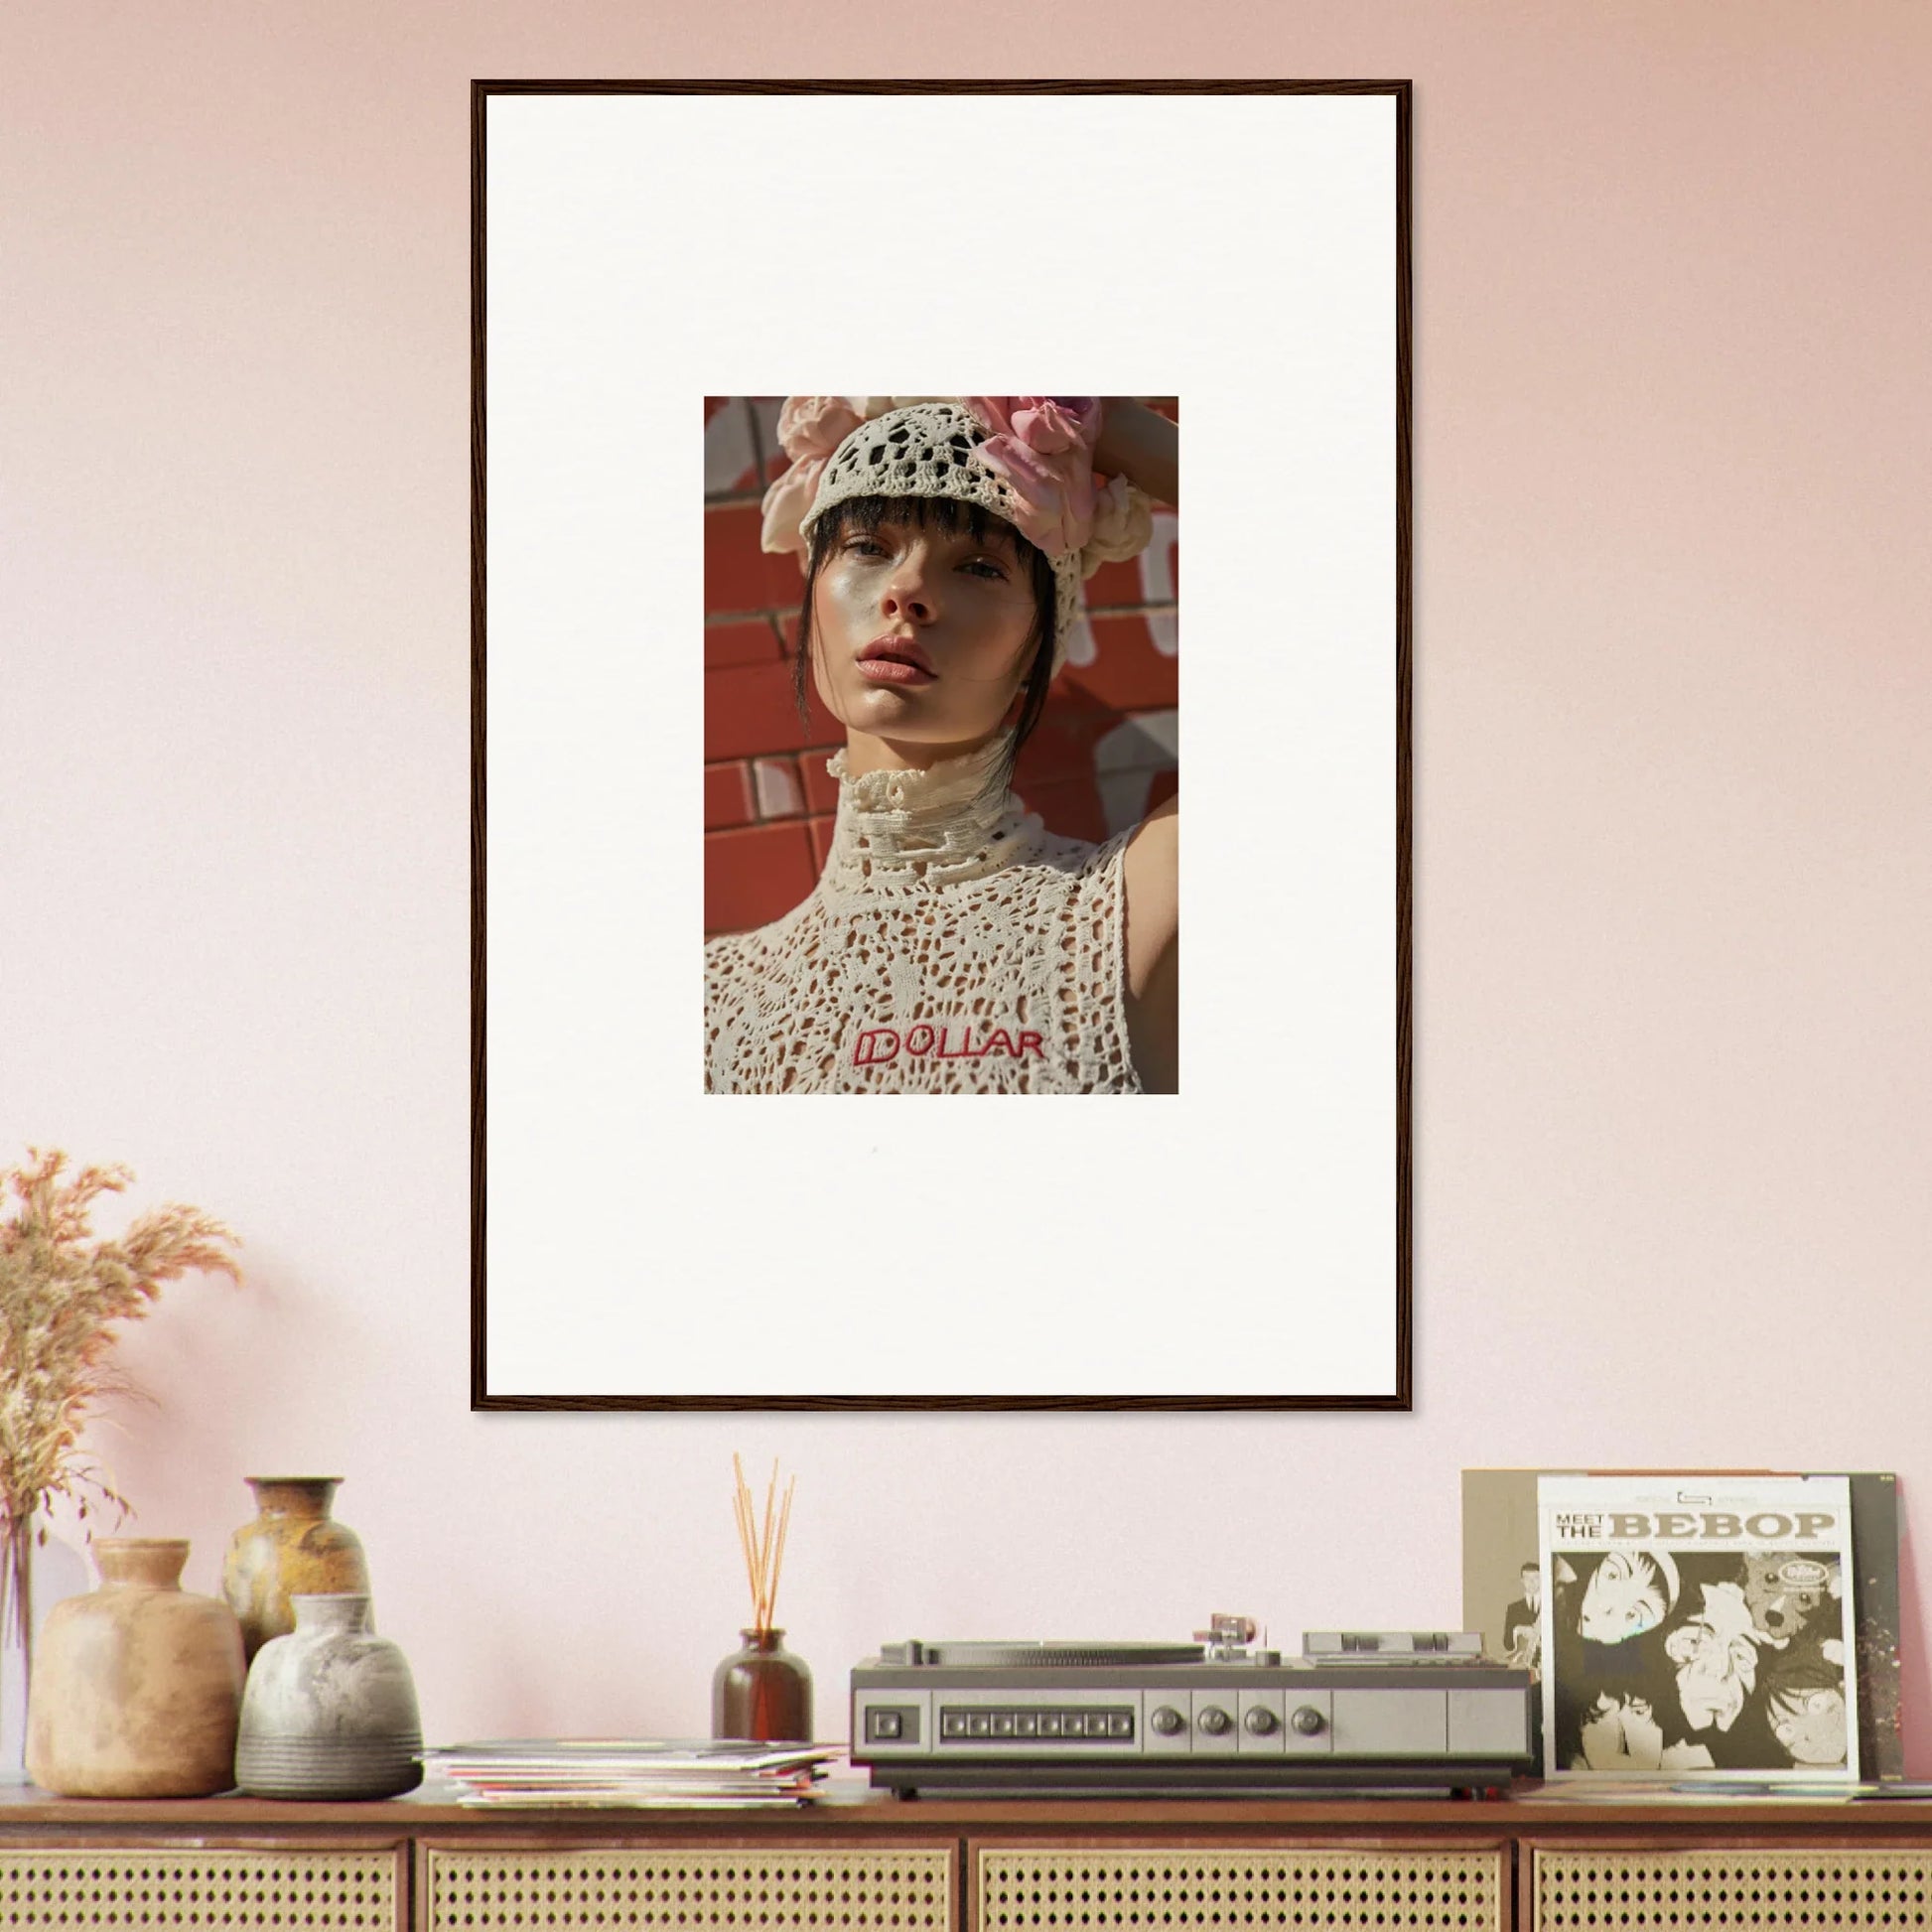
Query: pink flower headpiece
[1043, 447]
[810, 428]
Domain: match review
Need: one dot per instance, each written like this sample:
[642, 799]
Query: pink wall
[1671, 724]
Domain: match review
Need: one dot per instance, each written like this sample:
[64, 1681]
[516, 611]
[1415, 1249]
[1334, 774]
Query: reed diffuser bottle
[763, 1692]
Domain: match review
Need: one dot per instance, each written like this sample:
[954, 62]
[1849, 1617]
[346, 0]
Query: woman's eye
[872, 547]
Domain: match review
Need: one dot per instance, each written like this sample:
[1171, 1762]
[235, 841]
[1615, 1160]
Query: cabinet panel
[1764, 1890]
[1192, 1890]
[624, 1889]
[186, 1891]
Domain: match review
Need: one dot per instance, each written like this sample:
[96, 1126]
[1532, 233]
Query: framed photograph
[879, 696]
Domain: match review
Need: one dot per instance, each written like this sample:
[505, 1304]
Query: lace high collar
[916, 830]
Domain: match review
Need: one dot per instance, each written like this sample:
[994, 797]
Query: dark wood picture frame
[1399, 1394]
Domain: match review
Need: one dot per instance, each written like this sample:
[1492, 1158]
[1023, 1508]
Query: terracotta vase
[293, 1547]
[763, 1692]
[136, 1690]
[329, 1711]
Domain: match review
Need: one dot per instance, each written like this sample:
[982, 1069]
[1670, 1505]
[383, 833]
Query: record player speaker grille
[1190, 1890]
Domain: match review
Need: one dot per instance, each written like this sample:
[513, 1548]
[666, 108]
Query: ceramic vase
[293, 1547]
[330, 1710]
[763, 1692]
[136, 1689]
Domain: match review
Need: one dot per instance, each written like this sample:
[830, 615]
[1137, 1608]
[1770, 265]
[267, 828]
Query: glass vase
[763, 1692]
[36, 1571]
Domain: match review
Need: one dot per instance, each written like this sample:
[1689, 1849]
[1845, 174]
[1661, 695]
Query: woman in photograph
[952, 944]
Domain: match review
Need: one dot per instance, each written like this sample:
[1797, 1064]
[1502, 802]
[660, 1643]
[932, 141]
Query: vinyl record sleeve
[1698, 1628]
[1499, 1565]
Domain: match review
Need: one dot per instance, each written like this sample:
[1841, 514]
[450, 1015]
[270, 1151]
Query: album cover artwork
[1502, 1585]
[1697, 1628]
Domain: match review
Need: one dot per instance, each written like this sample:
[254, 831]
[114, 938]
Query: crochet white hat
[1023, 458]
[932, 450]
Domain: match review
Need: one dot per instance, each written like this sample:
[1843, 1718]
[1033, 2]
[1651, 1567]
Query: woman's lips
[894, 670]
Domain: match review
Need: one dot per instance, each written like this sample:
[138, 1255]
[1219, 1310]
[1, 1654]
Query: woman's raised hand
[1143, 446]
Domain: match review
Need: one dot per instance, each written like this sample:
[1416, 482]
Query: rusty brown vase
[137, 1688]
[763, 1692]
[293, 1548]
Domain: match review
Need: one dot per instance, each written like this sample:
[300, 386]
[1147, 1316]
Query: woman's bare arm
[1143, 446]
[1152, 879]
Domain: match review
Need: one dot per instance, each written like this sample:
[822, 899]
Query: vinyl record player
[1356, 1711]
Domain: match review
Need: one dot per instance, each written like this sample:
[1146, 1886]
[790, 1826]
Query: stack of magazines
[632, 1772]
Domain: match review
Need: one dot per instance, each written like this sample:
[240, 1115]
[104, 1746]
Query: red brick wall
[1099, 760]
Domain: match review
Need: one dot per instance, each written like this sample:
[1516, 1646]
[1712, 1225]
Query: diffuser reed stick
[762, 1543]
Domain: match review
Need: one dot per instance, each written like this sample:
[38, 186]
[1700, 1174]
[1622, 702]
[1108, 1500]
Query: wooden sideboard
[863, 1863]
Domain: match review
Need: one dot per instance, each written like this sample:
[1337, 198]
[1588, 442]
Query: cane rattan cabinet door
[693, 1888]
[195, 1889]
[1848, 1888]
[1216, 1888]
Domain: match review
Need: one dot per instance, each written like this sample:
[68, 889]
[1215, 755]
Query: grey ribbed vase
[329, 1711]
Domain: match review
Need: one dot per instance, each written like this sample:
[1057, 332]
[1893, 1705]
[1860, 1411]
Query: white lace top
[951, 946]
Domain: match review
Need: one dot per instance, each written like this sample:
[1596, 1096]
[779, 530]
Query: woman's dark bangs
[949, 513]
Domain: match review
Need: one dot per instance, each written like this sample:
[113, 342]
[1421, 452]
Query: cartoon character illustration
[1621, 1732]
[1810, 1724]
[1628, 1593]
[1715, 1658]
[1785, 1593]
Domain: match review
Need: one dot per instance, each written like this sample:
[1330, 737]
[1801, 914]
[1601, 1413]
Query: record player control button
[1259, 1720]
[952, 1723]
[979, 1725]
[1003, 1723]
[1050, 1724]
[1215, 1720]
[1168, 1722]
[1026, 1724]
[1119, 1724]
[886, 1723]
[1308, 1720]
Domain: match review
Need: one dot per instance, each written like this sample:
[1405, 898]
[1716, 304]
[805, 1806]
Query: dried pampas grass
[61, 1293]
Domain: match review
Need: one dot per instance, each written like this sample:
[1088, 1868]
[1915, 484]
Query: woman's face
[1624, 1597]
[920, 635]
